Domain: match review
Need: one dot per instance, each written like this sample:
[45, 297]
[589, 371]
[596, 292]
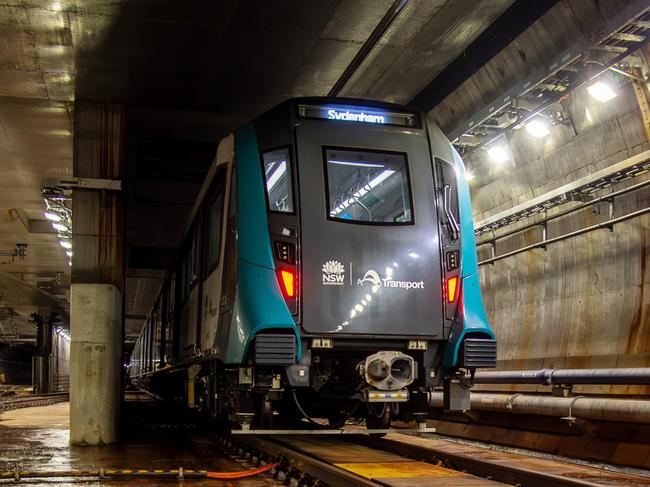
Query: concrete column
[95, 372]
[96, 315]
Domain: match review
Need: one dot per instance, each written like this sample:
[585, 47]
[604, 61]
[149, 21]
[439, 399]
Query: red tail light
[452, 289]
[287, 283]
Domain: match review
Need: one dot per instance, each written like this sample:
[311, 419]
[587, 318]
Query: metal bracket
[82, 183]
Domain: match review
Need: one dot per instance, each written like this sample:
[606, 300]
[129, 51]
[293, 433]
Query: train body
[328, 270]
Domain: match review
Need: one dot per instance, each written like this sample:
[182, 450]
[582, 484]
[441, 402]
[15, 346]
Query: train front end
[371, 241]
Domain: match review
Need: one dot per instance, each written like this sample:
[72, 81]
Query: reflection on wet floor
[37, 439]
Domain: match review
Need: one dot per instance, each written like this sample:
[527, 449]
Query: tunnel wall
[583, 302]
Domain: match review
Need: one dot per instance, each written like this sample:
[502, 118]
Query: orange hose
[241, 474]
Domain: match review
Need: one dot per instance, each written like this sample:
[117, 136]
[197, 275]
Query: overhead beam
[373, 39]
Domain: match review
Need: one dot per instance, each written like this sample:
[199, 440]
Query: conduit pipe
[626, 376]
[622, 410]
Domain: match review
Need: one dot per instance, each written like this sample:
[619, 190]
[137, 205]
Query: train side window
[276, 165]
[366, 186]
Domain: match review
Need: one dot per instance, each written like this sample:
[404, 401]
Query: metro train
[328, 272]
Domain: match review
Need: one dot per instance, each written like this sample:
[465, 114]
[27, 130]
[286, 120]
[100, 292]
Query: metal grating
[574, 67]
[581, 190]
[478, 352]
[275, 349]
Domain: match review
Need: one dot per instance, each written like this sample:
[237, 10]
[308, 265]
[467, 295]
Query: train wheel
[379, 416]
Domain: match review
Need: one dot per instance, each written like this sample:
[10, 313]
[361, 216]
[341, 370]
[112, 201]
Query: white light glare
[413, 255]
[601, 91]
[52, 216]
[468, 175]
[537, 128]
[277, 174]
[60, 227]
[352, 163]
[370, 186]
[69, 253]
[65, 244]
[498, 154]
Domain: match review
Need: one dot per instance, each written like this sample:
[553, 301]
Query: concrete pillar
[96, 315]
[95, 356]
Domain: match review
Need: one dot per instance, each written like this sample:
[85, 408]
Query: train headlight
[389, 371]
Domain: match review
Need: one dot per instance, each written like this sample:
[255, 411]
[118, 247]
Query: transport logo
[372, 277]
[333, 273]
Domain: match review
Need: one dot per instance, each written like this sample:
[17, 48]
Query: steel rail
[373, 39]
[323, 471]
[562, 213]
[567, 236]
[512, 474]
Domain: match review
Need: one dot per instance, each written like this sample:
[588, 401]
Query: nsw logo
[333, 273]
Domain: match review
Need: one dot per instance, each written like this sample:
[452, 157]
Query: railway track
[400, 460]
[17, 402]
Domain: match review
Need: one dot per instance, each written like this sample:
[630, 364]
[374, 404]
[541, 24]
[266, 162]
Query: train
[328, 272]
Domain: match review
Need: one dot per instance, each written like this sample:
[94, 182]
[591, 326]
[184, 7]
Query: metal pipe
[620, 410]
[566, 236]
[627, 376]
[562, 213]
[373, 39]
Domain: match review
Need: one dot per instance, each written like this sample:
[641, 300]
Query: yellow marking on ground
[398, 469]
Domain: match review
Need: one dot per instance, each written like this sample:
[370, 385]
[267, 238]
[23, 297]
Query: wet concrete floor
[37, 439]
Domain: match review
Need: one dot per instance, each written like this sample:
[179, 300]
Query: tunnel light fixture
[65, 244]
[498, 154]
[601, 91]
[50, 215]
[537, 129]
[60, 227]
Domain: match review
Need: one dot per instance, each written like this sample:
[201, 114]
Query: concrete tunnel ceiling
[188, 76]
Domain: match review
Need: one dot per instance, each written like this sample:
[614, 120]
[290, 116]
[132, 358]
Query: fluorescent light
[498, 154]
[601, 91]
[277, 174]
[413, 255]
[52, 216]
[360, 164]
[60, 227]
[65, 244]
[537, 128]
[373, 184]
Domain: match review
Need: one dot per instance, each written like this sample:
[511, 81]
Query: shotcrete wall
[583, 302]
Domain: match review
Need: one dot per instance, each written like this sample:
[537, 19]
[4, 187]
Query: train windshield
[368, 186]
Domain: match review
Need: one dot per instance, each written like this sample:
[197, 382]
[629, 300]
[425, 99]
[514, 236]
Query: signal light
[452, 289]
[288, 283]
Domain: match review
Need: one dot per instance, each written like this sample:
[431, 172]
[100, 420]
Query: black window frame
[404, 154]
[218, 192]
[290, 171]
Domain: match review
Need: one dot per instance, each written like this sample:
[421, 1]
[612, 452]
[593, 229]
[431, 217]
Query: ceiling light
[498, 154]
[601, 91]
[537, 128]
[65, 244]
[52, 216]
[60, 227]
